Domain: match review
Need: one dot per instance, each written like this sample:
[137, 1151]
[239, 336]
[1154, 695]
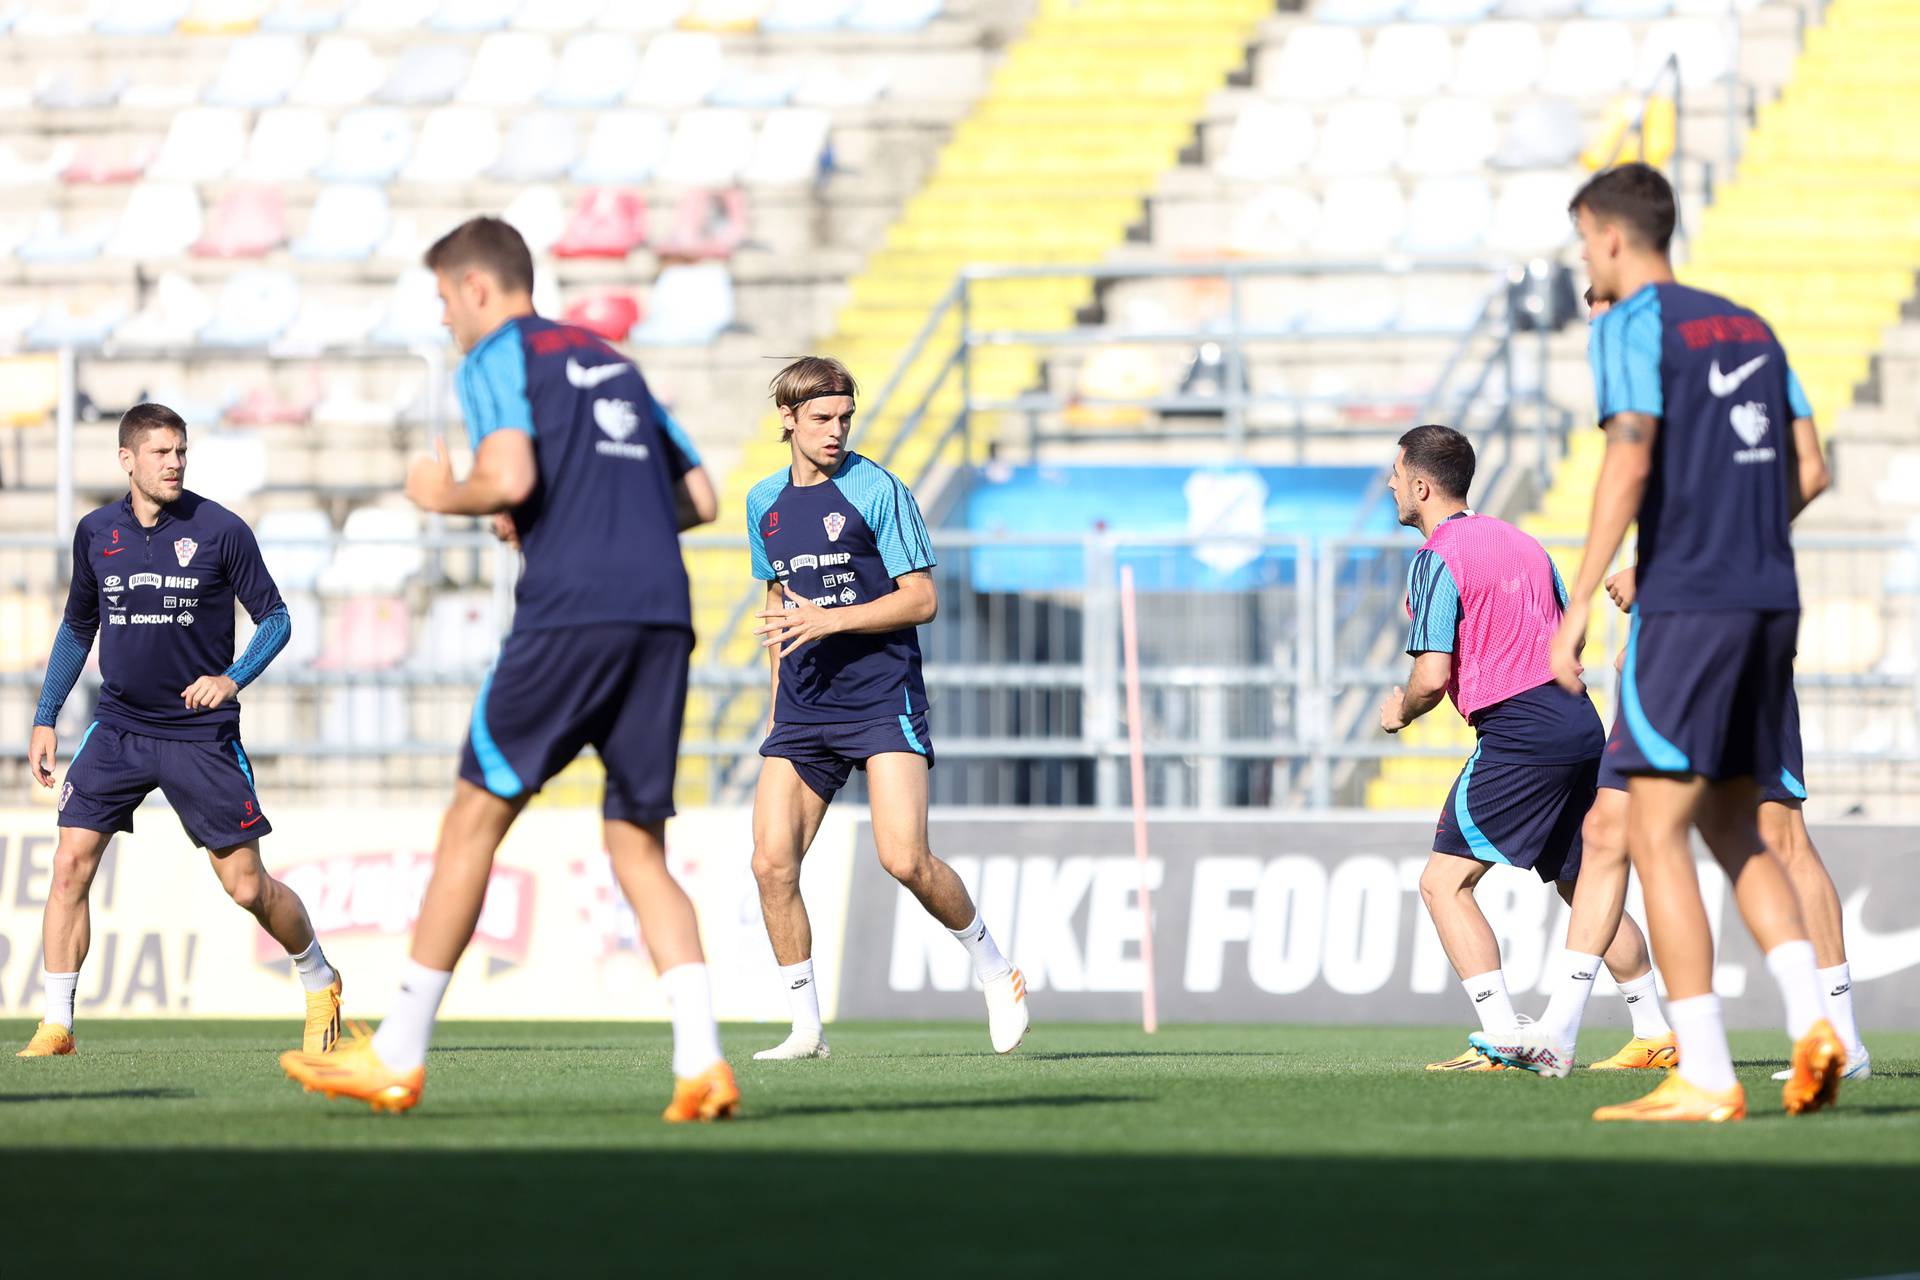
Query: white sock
[1643, 1006]
[60, 989]
[696, 1037]
[315, 973]
[1488, 991]
[988, 963]
[402, 1039]
[1568, 1004]
[1836, 997]
[1705, 1058]
[803, 997]
[1794, 968]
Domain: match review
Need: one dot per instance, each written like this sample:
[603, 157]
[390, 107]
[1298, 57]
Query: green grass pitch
[169, 1147]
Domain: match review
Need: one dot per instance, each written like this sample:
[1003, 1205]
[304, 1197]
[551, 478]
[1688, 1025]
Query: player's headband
[817, 396]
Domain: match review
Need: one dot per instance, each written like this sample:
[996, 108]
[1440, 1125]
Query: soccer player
[1692, 390]
[1484, 600]
[162, 567]
[840, 543]
[596, 481]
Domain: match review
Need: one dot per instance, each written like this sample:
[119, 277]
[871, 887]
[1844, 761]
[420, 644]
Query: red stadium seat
[249, 222]
[108, 160]
[605, 224]
[706, 224]
[611, 315]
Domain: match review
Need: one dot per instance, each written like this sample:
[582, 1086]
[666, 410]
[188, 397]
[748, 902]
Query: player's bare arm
[1426, 686]
[694, 501]
[1624, 469]
[503, 475]
[1810, 472]
[912, 602]
[773, 655]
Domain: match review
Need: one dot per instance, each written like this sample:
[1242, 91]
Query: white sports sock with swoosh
[988, 963]
[315, 973]
[803, 996]
[60, 989]
[1568, 1005]
[403, 1037]
[696, 1037]
[1643, 1006]
[1794, 968]
[1488, 991]
[1836, 997]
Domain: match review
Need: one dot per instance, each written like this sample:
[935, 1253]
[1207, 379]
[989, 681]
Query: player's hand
[505, 529]
[1564, 654]
[209, 692]
[801, 622]
[430, 480]
[1621, 588]
[1393, 710]
[40, 754]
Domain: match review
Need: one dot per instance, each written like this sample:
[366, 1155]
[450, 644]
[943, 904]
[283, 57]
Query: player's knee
[774, 870]
[72, 875]
[1442, 878]
[1777, 828]
[906, 863]
[1603, 837]
[249, 891]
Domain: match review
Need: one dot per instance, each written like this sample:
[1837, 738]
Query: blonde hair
[809, 378]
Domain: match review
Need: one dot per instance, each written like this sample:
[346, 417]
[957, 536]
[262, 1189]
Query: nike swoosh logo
[587, 379]
[1873, 955]
[116, 551]
[1725, 384]
[256, 818]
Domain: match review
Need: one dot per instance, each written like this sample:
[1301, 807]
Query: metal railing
[1263, 660]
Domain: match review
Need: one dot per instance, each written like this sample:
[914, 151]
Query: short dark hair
[489, 244]
[1443, 456]
[1636, 196]
[142, 418]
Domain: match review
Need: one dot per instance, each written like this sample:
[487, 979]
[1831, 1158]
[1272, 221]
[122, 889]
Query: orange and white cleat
[1007, 1015]
[711, 1095]
[1680, 1101]
[323, 1019]
[50, 1040]
[1471, 1060]
[351, 1069]
[1642, 1054]
[1819, 1060]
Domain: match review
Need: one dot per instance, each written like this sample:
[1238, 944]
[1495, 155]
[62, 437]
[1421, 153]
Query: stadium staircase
[1090, 106]
[1816, 232]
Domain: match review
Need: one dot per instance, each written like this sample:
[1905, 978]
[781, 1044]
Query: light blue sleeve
[682, 456]
[1559, 586]
[492, 385]
[760, 500]
[899, 530]
[1433, 599]
[1797, 400]
[1624, 350]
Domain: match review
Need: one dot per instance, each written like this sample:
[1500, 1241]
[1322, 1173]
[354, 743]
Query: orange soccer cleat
[322, 1031]
[711, 1095]
[1642, 1054]
[1680, 1101]
[1471, 1060]
[50, 1040]
[1819, 1060]
[353, 1070]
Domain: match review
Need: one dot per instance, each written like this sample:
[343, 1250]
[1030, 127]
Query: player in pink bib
[1484, 601]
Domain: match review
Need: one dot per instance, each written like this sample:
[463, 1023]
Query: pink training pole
[1130, 640]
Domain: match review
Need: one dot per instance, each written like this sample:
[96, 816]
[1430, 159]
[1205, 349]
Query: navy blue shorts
[1789, 788]
[825, 755]
[621, 687]
[209, 785]
[1706, 694]
[1519, 814]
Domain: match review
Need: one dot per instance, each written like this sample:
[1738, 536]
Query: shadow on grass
[696, 1209]
[99, 1095]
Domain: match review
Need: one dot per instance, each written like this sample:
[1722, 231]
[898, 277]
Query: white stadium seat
[1451, 135]
[680, 69]
[1500, 60]
[1628, 10]
[177, 309]
[1363, 13]
[288, 143]
[473, 17]
[897, 16]
[1446, 10]
[1590, 59]
[567, 15]
[229, 466]
[1361, 218]
[1538, 10]
[1351, 304]
[539, 146]
[1530, 217]
[540, 216]
[642, 15]
[1278, 221]
[753, 87]
[254, 308]
[788, 149]
[139, 17]
[828, 86]
[296, 544]
[1704, 50]
[323, 323]
[1448, 216]
[710, 148]
[690, 306]
[202, 143]
[379, 552]
[426, 76]
[624, 147]
[595, 70]
[258, 71]
[1361, 137]
[159, 221]
[1316, 63]
[302, 17]
[1268, 140]
[413, 312]
[348, 222]
[388, 16]
[343, 71]
[369, 145]
[1408, 61]
[456, 145]
[510, 69]
[1543, 134]
[805, 15]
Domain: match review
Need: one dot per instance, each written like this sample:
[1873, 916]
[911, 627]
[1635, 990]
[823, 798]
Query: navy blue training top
[165, 596]
[1714, 522]
[599, 532]
[843, 542]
